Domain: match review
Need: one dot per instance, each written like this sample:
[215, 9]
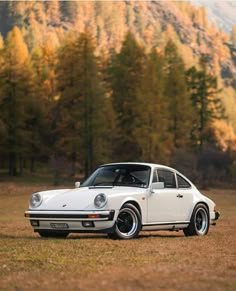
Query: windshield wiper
[130, 185]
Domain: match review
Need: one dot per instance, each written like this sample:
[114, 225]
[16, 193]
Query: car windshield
[131, 175]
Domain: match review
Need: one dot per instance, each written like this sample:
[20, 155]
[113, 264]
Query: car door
[163, 204]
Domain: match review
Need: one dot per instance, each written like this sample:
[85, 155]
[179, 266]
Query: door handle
[180, 196]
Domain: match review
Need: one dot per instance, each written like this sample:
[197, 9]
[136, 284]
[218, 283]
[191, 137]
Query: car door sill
[165, 225]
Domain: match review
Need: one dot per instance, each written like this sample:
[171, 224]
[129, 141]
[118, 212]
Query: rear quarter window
[182, 183]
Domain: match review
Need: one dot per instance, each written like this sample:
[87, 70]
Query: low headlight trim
[35, 200]
[100, 200]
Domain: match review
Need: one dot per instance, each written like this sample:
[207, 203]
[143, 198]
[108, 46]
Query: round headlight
[35, 200]
[100, 200]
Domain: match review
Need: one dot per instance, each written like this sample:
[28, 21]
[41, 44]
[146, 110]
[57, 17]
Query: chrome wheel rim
[127, 222]
[201, 221]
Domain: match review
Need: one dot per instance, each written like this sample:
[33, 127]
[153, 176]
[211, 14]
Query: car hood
[81, 198]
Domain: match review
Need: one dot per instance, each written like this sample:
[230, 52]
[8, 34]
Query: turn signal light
[93, 215]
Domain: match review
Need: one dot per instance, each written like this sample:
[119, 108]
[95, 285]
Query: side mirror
[77, 184]
[157, 185]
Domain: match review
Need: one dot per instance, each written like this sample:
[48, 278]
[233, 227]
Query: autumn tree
[43, 61]
[127, 71]
[69, 10]
[203, 88]
[152, 134]
[82, 105]
[53, 11]
[179, 104]
[15, 84]
[233, 35]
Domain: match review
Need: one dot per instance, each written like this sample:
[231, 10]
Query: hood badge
[64, 205]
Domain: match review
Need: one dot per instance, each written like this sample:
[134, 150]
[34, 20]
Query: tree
[203, 89]
[126, 74]
[179, 103]
[233, 35]
[15, 87]
[42, 106]
[82, 105]
[152, 134]
[52, 11]
[69, 10]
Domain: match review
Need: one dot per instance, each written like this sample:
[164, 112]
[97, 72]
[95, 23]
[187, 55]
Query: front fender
[140, 199]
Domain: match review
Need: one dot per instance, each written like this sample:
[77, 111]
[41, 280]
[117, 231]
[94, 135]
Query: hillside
[153, 23]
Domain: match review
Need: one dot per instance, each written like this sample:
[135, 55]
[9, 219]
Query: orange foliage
[224, 135]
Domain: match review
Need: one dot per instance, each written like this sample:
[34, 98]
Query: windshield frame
[89, 182]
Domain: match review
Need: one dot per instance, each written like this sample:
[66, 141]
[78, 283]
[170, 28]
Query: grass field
[154, 261]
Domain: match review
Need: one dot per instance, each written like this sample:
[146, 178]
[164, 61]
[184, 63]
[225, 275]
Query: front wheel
[199, 223]
[128, 223]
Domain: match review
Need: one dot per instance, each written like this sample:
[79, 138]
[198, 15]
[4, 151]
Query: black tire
[128, 223]
[53, 234]
[199, 222]
[112, 235]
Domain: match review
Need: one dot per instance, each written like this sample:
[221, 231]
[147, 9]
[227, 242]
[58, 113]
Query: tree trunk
[12, 164]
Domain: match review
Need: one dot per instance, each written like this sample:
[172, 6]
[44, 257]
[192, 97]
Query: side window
[182, 183]
[167, 177]
[154, 179]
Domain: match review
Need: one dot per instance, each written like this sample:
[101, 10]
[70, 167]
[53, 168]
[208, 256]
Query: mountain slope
[152, 22]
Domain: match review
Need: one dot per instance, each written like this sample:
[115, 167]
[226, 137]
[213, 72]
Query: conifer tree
[179, 103]
[15, 84]
[126, 71]
[203, 88]
[82, 104]
[152, 134]
[45, 93]
[53, 11]
[1, 42]
[233, 35]
[69, 10]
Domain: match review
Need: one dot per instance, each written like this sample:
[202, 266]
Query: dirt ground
[154, 261]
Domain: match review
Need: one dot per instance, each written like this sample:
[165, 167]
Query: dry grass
[157, 260]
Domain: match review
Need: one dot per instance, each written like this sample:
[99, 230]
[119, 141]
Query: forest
[71, 105]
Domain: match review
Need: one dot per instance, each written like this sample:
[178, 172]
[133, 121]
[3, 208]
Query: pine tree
[53, 11]
[126, 71]
[82, 105]
[179, 103]
[152, 135]
[233, 35]
[42, 106]
[15, 83]
[69, 10]
[1, 42]
[208, 106]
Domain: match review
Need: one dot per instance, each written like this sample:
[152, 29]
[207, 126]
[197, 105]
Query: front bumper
[214, 216]
[71, 221]
[217, 215]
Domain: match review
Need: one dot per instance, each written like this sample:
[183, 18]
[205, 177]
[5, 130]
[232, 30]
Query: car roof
[141, 163]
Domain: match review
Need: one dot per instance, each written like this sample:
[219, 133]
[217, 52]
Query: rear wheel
[53, 234]
[128, 223]
[199, 223]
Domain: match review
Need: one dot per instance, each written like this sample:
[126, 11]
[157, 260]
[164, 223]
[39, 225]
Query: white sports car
[121, 200]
